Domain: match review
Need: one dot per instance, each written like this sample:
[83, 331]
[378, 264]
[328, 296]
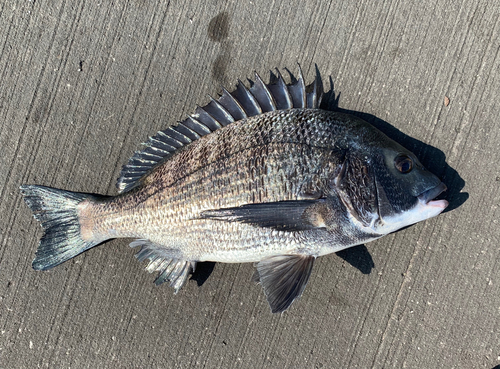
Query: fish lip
[426, 197]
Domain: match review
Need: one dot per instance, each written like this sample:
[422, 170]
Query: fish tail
[57, 211]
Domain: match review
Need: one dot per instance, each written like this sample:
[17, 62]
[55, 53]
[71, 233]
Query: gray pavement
[83, 83]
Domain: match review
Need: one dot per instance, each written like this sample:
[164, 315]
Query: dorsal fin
[230, 107]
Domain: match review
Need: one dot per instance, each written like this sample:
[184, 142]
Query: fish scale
[259, 175]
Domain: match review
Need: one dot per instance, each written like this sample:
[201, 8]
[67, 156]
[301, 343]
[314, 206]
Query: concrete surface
[83, 83]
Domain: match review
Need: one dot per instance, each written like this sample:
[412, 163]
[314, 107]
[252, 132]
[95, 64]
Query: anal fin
[284, 278]
[168, 263]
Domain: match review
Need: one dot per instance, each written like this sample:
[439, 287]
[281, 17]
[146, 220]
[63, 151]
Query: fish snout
[427, 197]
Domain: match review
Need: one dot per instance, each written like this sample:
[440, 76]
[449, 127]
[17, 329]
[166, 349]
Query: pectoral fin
[284, 278]
[290, 216]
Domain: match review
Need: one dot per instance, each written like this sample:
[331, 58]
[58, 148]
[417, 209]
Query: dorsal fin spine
[152, 157]
[221, 108]
[302, 87]
[207, 114]
[250, 99]
[282, 84]
[226, 93]
[198, 126]
[317, 87]
[166, 146]
[181, 125]
[297, 91]
[260, 85]
[171, 132]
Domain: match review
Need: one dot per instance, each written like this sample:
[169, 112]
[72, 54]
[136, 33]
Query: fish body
[261, 175]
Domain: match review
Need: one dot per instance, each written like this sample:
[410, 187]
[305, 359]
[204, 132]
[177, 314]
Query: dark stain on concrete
[218, 28]
[218, 31]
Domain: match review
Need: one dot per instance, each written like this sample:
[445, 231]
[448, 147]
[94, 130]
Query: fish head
[382, 185]
[405, 190]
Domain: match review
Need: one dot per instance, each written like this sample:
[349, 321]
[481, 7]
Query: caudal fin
[56, 210]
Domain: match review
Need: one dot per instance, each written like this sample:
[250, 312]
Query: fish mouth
[427, 197]
[425, 207]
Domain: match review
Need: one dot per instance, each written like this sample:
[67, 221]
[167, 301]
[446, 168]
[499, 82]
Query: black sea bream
[259, 175]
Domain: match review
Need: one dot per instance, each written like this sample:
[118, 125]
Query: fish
[259, 175]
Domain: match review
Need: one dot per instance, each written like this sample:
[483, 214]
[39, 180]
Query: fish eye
[403, 163]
